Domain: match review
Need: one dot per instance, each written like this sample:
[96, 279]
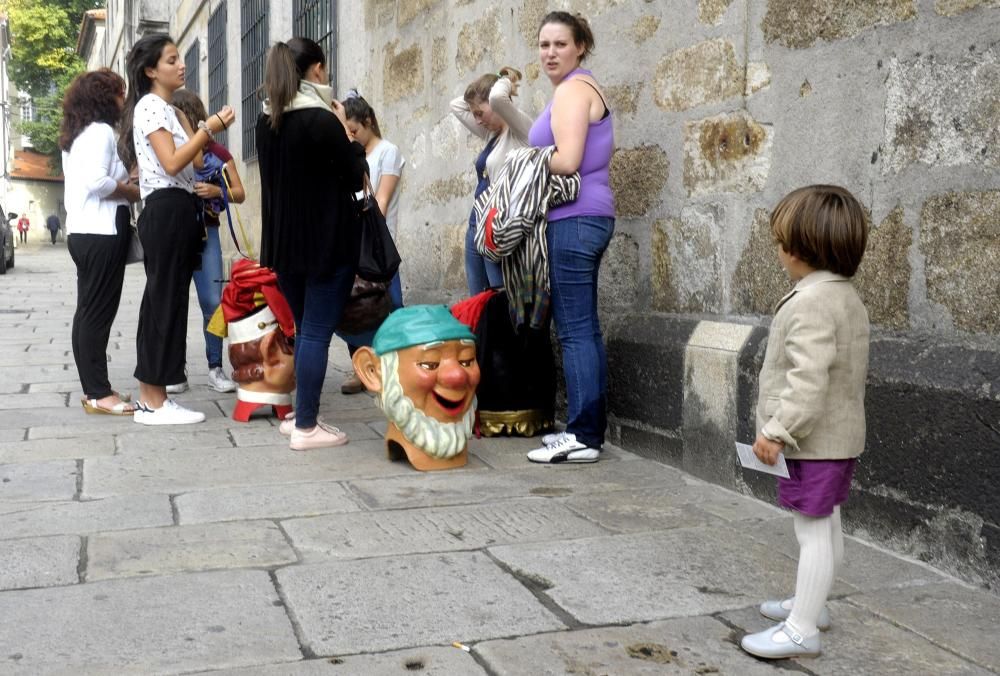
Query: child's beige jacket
[812, 383]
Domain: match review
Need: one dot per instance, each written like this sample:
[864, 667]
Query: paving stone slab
[861, 643]
[264, 502]
[144, 440]
[865, 567]
[468, 487]
[56, 518]
[694, 645]
[21, 360]
[37, 481]
[949, 614]
[175, 549]
[40, 450]
[381, 604]
[10, 387]
[107, 425]
[49, 415]
[183, 471]
[72, 386]
[387, 533]
[436, 661]
[644, 510]
[256, 434]
[148, 625]
[39, 562]
[8, 434]
[36, 374]
[653, 576]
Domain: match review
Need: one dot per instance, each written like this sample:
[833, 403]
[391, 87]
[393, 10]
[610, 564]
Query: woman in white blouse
[487, 110]
[166, 149]
[97, 194]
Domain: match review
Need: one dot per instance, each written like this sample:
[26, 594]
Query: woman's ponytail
[281, 81]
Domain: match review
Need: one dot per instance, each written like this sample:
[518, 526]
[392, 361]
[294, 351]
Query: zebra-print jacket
[511, 220]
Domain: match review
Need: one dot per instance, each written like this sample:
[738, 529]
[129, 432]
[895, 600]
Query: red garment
[246, 280]
[469, 311]
[23, 225]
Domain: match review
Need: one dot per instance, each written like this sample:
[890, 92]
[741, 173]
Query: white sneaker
[565, 448]
[177, 388]
[171, 413]
[219, 381]
[552, 438]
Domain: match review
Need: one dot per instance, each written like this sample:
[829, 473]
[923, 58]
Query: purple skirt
[815, 487]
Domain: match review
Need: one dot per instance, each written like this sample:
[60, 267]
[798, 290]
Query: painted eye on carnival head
[466, 363]
[428, 365]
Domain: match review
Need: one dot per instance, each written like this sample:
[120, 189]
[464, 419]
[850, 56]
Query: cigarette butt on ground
[461, 646]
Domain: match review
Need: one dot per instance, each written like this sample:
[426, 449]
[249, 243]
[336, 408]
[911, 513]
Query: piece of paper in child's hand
[750, 460]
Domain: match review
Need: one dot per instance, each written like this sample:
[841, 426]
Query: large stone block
[926, 123]
[800, 23]
[619, 278]
[759, 281]
[712, 11]
[529, 20]
[960, 240]
[704, 73]
[411, 9]
[378, 13]
[883, 280]
[479, 40]
[403, 72]
[39, 562]
[726, 153]
[955, 7]
[638, 176]
[623, 99]
[645, 27]
[439, 61]
[687, 270]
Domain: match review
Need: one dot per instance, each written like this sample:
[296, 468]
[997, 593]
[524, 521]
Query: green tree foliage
[44, 60]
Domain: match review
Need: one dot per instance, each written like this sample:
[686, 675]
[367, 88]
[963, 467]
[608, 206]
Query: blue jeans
[481, 273]
[317, 305]
[576, 246]
[208, 283]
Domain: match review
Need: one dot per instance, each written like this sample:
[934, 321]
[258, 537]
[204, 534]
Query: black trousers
[100, 272]
[172, 237]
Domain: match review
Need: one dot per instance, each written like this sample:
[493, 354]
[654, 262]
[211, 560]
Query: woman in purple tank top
[577, 121]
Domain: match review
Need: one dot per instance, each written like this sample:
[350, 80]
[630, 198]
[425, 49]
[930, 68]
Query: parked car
[7, 235]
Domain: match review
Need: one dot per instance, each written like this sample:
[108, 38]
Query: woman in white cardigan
[487, 110]
[97, 195]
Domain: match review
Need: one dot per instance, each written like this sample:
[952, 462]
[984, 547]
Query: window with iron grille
[317, 20]
[217, 85]
[253, 49]
[192, 74]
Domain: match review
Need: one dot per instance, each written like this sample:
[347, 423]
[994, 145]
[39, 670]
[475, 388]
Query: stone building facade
[721, 107]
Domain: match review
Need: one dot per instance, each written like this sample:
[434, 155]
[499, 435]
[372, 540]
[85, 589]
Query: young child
[811, 402]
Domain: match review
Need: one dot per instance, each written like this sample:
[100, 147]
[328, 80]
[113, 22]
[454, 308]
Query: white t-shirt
[152, 113]
[92, 170]
[385, 160]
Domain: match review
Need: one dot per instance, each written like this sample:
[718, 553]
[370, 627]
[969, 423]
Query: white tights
[821, 551]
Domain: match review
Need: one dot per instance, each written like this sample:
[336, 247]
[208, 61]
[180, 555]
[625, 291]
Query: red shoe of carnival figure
[261, 330]
[422, 365]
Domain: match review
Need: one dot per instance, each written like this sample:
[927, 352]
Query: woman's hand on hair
[338, 110]
[222, 119]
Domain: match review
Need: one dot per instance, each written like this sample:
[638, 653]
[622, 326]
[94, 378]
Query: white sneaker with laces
[177, 388]
[564, 449]
[552, 438]
[219, 381]
[171, 413]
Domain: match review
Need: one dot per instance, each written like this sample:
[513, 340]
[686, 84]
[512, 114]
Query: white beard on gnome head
[438, 439]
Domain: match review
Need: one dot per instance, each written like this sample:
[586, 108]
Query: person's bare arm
[386, 186]
[174, 159]
[570, 123]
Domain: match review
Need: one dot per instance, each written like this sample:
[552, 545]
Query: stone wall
[721, 107]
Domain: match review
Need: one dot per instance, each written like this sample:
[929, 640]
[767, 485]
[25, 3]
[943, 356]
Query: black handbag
[378, 259]
[367, 307]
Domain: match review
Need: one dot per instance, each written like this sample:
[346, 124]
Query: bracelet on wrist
[224, 125]
[202, 125]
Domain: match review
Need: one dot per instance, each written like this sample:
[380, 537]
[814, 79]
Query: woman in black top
[310, 169]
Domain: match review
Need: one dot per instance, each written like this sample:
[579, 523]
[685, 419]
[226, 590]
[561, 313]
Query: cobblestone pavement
[214, 549]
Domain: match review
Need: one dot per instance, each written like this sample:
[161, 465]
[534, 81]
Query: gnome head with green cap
[422, 364]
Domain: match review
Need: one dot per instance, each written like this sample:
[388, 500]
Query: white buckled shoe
[781, 642]
[780, 610]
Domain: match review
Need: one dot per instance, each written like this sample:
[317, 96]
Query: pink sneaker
[288, 424]
[321, 436]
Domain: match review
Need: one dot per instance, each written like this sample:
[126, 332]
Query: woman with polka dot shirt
[164, 147]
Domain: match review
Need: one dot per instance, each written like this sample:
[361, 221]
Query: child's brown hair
[824, 226]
